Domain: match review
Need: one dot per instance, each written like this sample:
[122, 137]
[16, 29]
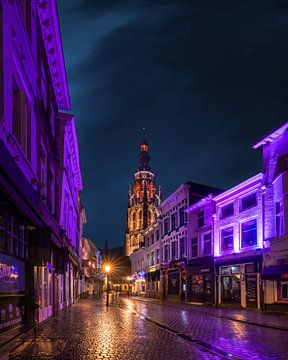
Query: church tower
[143, 201]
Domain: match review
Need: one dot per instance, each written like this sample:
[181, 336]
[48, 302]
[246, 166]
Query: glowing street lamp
[107, 269]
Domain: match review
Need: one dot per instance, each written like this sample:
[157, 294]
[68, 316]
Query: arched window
[140, 219]
[134, 220]
[150, 216]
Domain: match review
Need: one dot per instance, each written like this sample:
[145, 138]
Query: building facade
[35, 252]
[238, 244]
[226, 248]
[274, 147]
[142, 203]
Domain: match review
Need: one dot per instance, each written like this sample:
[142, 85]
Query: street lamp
[107, 268]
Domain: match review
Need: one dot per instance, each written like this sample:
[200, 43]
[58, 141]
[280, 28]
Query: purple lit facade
[227, 247]
[39, 236]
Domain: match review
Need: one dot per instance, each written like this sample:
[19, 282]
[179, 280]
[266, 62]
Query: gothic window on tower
[134, 220]
[140, 219]
[137, 189]
[150, 217]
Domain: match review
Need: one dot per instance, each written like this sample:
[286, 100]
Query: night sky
[207, 78]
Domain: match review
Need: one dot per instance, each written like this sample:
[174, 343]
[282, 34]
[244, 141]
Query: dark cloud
[207, 78]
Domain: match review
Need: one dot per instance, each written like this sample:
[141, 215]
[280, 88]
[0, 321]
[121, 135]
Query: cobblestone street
[131, 329]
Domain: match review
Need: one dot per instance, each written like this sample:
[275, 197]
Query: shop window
[248, 202]
[174, 250]
[207, 243]
[283, 290]
[201, 220]
[250, 268]
[235, 269]
[227, 239]
[166, 226]
[279, 211]
[182, 216]
[227, 210]
[194, 247]
[197, 284]
[2, 228]
[225, 271]
[182, 247]
[249, 233]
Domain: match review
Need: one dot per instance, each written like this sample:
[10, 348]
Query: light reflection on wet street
[131, 329]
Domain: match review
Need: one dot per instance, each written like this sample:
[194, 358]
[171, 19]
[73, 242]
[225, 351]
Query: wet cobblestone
[90, 330]
[245, 341]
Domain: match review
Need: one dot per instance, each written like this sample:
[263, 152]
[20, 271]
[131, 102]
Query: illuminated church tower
[142, 203]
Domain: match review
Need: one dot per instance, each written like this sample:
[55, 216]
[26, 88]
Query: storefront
[175, 281]
[152, 280]
[275, 279]
[200, 284]
[239, 283]
[12, 292]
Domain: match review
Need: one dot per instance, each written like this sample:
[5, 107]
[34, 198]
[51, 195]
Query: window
[182, 216]
[283, 290]
[227, 210]
[25, 7]
[2, 228]
[22, 121]
[201, 220]
[182, 247]
[148, 260]
[174, 250]
[152, 239]
[146, 241]
[248, 201]
[166, 252]
[43, 174]
[51, 190]
[249, 233]
[279, 210]
[157, 235]
[157, 256]
[173, 221]
[207, 244]
[152, 259]
[140, 219]
[194, 247]
[134, 220]
[166, 226]
[227, 239]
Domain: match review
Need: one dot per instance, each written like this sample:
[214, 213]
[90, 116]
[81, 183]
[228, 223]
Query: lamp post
[107, 269]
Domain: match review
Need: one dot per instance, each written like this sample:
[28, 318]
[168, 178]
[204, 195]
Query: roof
[271, 136]
[49, 22]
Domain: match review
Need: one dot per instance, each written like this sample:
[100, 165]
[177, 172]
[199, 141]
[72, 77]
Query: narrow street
[133, 329]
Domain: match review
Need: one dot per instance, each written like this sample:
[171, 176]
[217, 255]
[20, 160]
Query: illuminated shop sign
[12, 274]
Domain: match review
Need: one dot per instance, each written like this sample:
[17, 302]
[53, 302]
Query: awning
[275, 272]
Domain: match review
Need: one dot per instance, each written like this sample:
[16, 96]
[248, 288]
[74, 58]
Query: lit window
[249, 233]
[227, 239]
[283, 290]
[227, 210]
[248, 201]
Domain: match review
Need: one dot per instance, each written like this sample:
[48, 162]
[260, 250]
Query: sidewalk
[253, 317]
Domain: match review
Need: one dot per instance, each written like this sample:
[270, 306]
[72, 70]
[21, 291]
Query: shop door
[231, 289]
[208, 288]
[251, 290]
